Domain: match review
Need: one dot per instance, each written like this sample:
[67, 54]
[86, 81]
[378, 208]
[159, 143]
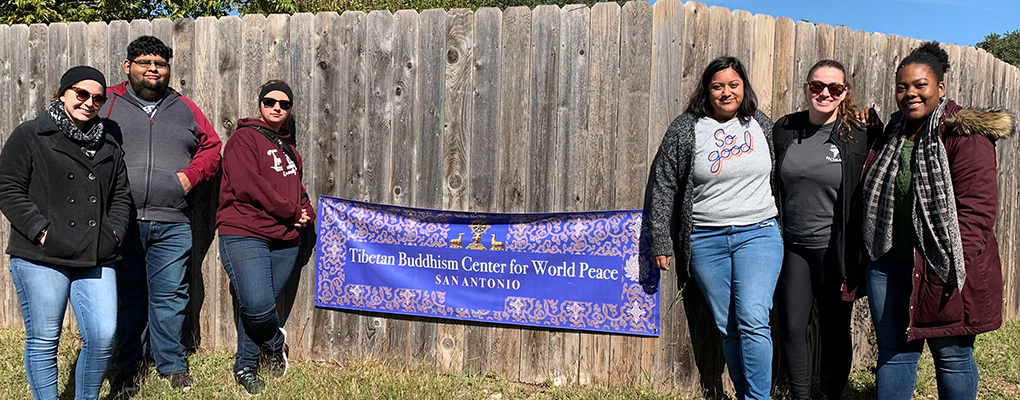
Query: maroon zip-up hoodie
[261, 193]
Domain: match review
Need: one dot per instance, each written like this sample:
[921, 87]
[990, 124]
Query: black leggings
[811, 275]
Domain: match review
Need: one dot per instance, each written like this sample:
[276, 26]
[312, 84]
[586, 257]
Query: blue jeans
[258, 270]
[153, 295]
[736, 268]
[43, 291]
[889, 286]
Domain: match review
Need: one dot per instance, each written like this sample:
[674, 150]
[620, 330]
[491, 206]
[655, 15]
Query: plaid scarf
[89, 141]
[934, 208]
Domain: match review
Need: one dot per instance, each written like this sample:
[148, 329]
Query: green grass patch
[997, 355]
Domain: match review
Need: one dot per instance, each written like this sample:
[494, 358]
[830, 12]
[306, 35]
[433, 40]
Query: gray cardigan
[667, 223]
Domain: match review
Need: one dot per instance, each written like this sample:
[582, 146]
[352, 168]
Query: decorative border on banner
[554, 234]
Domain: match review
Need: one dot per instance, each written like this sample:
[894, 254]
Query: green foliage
[1005, 47]
[47, 11]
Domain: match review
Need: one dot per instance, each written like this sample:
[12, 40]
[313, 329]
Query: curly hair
[148, 45]
[701, 106]
[845, 113]
[930, 54]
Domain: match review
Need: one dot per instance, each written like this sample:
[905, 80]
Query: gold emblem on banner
[478, 228]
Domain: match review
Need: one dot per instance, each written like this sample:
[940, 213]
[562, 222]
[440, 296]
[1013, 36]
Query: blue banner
[558, 270]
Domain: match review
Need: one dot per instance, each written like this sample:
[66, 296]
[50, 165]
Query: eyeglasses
[835, 89]
[83, 95]
[270, 102]
[147, 63]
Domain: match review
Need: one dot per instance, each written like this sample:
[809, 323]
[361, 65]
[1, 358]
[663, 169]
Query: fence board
[665, 104]
[77, 39]
[57, 42]
[358, 335]
[163, 28]
[297, 61]
[719, 28]
[764, 48]
[457, 133]
[401, 186]
[483, 162]
[628, 362]
[695, 44]
[544, 161]
[37, 63]
[377, 142]
[877, 78]
[967, 66]
[514, 123]
[9, 305]
[337, 148]
[253, 49]
[953, 82]
[429, 118]
[741, 41]
[603, 93]
[825, 42]
[97, 50]
[207, 279]
[573, 118]
[139, 27]
[784, 92]
[118, 33]
[843, 51]
[805, 55]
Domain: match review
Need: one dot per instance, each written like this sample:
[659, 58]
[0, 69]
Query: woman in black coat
[64, 188]
[820, 153]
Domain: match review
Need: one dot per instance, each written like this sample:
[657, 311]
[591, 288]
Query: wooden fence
[551, 109]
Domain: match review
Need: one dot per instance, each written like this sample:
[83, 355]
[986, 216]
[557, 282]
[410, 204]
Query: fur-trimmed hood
[994, 123]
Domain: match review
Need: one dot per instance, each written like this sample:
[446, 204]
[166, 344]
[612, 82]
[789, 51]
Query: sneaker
[249, 381]
[178, 380]
[277, 362]
[125, 384]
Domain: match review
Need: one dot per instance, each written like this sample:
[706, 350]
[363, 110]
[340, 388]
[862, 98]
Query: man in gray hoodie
[169, 147]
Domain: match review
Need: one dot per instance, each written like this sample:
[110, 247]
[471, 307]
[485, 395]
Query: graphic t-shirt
[731, 171]
[810, 176]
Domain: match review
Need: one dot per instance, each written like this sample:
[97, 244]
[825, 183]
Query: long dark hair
[845, 113]
[700, 106]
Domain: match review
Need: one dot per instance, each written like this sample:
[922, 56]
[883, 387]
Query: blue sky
[961, 22]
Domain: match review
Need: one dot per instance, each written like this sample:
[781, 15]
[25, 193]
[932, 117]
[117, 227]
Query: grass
[997, 355]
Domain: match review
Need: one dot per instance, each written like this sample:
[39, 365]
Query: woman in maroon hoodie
[263, 208]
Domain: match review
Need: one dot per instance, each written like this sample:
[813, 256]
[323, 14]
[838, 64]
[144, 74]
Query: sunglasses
[83, 95]
[835, 89]
[270, 102]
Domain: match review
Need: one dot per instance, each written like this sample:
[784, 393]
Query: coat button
[92, 223]
[70, 200]
[92, 176]
[70, 223]
[92, 199]
[70, 175]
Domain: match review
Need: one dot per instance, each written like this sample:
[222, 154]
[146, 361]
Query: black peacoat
[47, 183]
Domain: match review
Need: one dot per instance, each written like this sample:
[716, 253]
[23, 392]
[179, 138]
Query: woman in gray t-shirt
[711, 201]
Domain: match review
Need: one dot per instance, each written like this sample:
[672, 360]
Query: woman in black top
[820, 153]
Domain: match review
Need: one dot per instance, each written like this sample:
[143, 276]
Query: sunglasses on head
[270, 102]
[83, 95]
[835, 89]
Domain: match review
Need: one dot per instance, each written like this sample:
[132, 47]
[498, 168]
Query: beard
[150, 91]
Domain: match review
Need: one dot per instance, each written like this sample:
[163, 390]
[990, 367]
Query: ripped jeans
[736, 268]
